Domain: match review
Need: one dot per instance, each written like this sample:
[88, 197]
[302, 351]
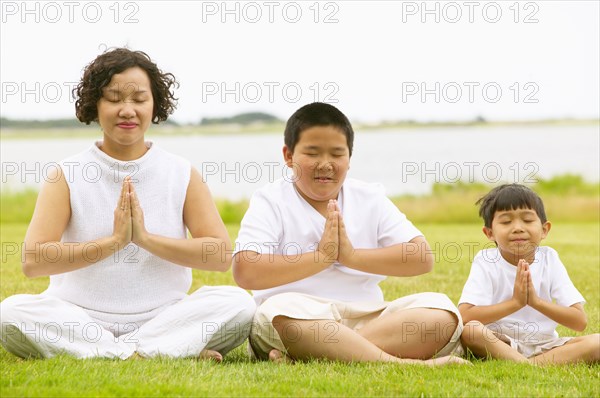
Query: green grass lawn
[454, 245]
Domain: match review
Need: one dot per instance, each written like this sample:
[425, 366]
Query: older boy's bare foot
[135, 357]
[447, 360]
[210, 355]
[277, 356]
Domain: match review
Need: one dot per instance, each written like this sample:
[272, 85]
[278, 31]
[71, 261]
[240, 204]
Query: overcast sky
[385, 60]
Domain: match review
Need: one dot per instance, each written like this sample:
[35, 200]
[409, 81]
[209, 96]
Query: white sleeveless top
[133, 281]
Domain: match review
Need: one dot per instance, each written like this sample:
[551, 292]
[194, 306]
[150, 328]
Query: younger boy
[314, 248]
[511, 288]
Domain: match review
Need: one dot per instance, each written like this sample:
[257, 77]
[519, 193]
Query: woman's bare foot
[210, 355]
[277, 356]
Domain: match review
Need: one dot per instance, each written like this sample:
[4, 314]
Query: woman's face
[125, 109]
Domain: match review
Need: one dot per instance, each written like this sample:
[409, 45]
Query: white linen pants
[42, 326]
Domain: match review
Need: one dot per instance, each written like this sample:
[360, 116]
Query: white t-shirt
[492, 281]
[279, 221]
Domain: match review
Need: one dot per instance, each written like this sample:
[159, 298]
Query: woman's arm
[208, 249]
[44, 254]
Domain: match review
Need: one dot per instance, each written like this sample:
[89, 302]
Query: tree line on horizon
[249, 118]
[242, 119]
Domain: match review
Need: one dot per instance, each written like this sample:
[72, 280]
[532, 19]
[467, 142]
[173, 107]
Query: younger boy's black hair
[510, 197]
[317, 114]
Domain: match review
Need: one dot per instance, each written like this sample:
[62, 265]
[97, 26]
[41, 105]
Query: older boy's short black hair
[510, 197]
[317, 114]
[100, 71]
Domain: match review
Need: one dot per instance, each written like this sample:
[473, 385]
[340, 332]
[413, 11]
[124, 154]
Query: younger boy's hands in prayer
[532, 297]
[521, 284]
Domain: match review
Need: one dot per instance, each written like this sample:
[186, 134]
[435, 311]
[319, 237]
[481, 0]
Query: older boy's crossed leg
[309, 339]
[417, 333]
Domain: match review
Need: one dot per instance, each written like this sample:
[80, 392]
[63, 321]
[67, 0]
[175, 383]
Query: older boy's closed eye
[511, 289]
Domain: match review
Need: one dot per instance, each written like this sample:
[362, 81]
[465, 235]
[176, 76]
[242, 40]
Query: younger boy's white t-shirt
[279, 221]
[492, 281]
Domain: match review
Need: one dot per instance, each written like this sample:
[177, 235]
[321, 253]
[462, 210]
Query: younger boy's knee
[473, 325]
[472, 330]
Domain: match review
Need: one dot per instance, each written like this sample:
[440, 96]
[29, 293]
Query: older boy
[314, 249]
[511, 288]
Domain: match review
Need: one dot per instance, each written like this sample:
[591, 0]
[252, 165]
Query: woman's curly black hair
[100, 71]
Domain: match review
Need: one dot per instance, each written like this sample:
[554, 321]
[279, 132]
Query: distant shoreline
[272, 128]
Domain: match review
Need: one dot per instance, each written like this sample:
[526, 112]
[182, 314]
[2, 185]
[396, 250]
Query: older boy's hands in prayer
[345, 250]
[335, 245]
[329, 244]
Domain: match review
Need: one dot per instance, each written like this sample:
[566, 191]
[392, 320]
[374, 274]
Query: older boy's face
[320, 162]
[517, 233]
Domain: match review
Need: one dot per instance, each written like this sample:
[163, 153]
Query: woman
[109, 227]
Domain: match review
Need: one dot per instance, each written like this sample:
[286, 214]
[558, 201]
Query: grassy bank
[567, 198]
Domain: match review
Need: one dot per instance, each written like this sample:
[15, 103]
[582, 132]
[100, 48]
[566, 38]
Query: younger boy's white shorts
[530, 349]
[355, 315]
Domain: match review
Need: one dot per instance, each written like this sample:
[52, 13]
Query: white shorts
[529, 350]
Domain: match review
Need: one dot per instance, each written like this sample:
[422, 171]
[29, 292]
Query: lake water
[404, 161]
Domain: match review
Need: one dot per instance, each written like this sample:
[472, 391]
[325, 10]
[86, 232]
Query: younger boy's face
[517, 233]
[320, 162]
